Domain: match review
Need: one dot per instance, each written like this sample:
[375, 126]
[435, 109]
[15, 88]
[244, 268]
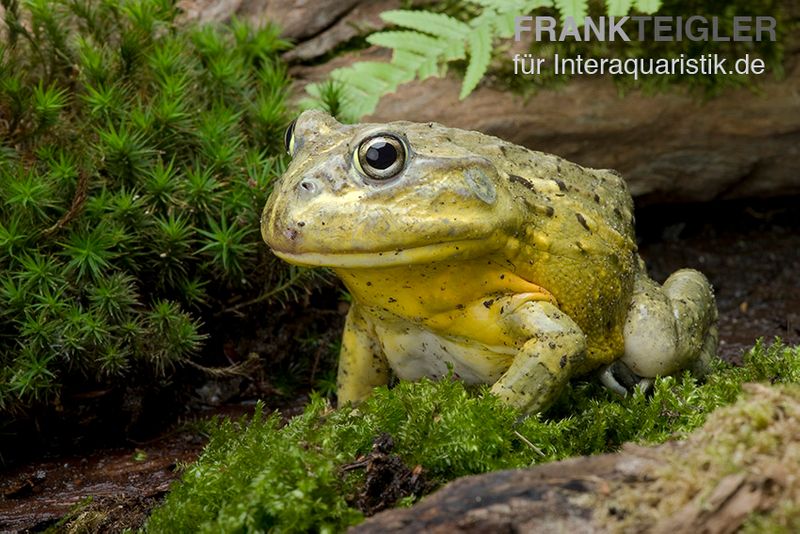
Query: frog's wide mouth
[386, 258]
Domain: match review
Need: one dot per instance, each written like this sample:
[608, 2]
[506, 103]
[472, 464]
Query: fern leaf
[517, 7]
[648, 6]
[480, 53]
[411, 41]
[454, 50]
[433, 23]
[530, 5]
[385, 73]
[426, 42]
[429, 69]
[505, 24]
[506, 6]
[423, 66]
[372, 76]
[619, 8]
[572, 8]
[491, 4]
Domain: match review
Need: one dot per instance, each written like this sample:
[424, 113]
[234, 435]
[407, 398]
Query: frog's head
[384, 194]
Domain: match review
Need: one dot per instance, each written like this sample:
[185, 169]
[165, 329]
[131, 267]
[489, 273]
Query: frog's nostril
[309, 187]
[290, 234]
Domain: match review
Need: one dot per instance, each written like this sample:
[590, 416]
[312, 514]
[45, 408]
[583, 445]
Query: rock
[203, 11]
[744, 461]
[299, 19]
[362, 20]
[545, 499]
[315, 27]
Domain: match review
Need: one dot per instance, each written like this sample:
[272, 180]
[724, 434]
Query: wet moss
[260, 475]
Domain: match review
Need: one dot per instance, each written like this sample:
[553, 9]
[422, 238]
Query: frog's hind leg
[669, 328]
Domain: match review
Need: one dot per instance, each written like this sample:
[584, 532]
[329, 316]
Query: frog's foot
[545, 362]
[620, 379]
[671, 327]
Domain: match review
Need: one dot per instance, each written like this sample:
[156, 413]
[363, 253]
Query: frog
[471, 257]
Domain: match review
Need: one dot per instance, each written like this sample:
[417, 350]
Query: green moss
[261, 475]
[135, 158]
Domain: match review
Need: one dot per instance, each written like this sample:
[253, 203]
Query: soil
[387, 478]
[110, 488]
[751, 253]
[749, 250]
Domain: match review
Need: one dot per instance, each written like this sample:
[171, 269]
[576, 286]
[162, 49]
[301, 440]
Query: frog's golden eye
[288, 138]
[381, 157]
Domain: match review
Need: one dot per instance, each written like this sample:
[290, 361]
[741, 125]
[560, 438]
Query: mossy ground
[741, 469]
[258, 475]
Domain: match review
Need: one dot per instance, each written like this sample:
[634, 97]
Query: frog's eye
[381, 157]
[288, 138]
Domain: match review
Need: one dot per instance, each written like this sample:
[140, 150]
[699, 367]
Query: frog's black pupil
[381, 155]
[287, 136]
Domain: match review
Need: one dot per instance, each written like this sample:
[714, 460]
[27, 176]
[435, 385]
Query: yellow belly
[458, 300]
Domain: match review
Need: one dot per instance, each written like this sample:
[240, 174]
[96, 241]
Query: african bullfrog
[461, 251]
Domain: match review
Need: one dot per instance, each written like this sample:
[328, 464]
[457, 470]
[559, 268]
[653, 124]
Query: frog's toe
[619, 378]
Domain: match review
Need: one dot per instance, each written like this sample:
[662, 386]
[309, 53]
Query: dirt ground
[751, 253]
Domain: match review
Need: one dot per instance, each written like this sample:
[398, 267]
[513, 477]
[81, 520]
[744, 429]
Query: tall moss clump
[135, 157]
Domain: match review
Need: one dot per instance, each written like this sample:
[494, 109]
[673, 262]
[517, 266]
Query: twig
[238, 369]
[76, 206]
[265, 296]
[529, 444]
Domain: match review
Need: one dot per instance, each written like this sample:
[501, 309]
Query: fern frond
[576, 9]
[438, 24]
[491, 4]
[518, 6]
[648, 6]
[419, 43]
[480, 53]
[619, 8]
[411, 41]
[424, 66]
[426, 42]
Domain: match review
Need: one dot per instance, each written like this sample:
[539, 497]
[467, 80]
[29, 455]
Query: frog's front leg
[362, 364]
[555, 344]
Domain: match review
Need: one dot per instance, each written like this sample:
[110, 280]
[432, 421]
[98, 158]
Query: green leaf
[619, 8]
[411, 41]
[576, 9]
[434, 23]
[480, 53]
[648, 6]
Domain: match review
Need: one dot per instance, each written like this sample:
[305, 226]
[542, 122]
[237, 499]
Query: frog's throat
[416, 255]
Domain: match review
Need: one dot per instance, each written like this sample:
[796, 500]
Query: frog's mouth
[386, 258]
